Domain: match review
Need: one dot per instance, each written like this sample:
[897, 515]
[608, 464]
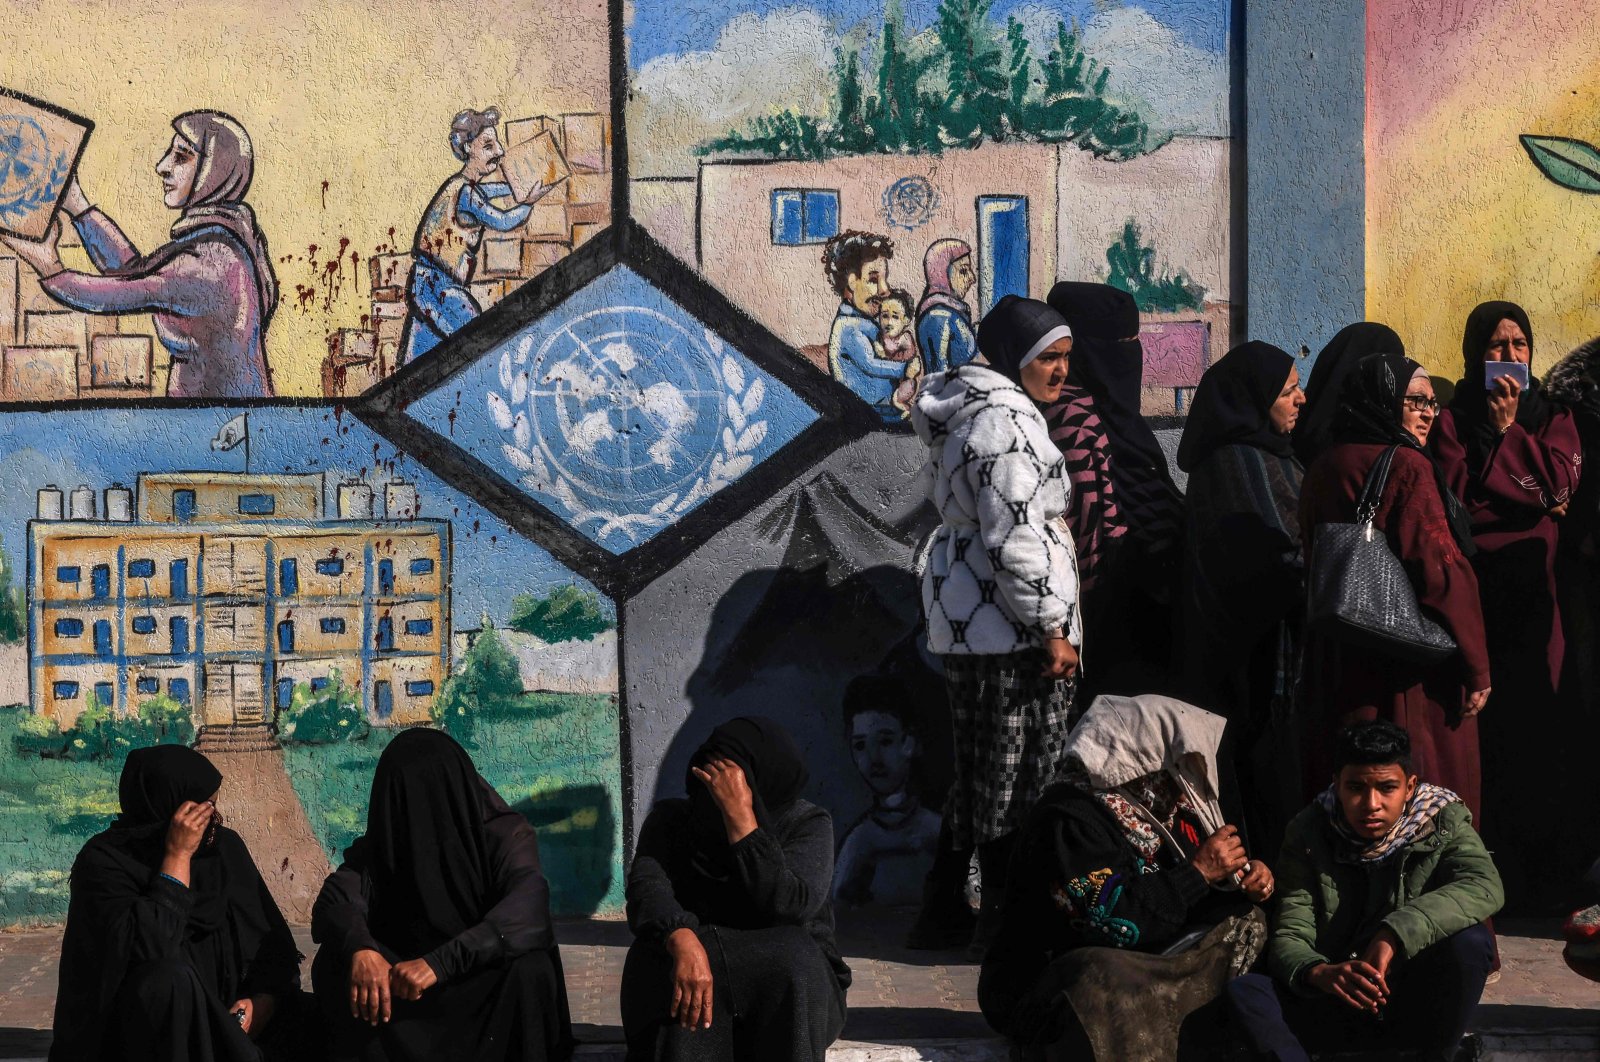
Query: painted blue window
[386, 577]
[183, 506]
[419, 626]
[103, 693]
[286, 636]
[100, 580]
[332, 625]
[178, 690]
[804, 215]
[179, 626]
[144, 624]
[65, 691]
[318, 685]
[102, 639]
[69, 574]
[147, 685]
[1003, 249]
[382, 700]
[422, 566]
[419, 689]
[330, 566]
[285, 693]
[288, 577]
[178, 575]
[257, 504]
[385, 640]
[69, 628]
[142, 569]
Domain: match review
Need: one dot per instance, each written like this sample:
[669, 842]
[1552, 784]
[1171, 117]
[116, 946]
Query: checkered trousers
[1010, 726]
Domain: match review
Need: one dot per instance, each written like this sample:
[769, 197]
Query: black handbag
[1358, 592]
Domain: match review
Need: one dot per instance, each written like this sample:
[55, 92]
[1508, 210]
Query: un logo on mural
[909, 203]
[626, 418]
[30, 172]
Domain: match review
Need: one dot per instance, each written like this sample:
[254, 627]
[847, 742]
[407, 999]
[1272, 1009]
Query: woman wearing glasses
[1388, 401]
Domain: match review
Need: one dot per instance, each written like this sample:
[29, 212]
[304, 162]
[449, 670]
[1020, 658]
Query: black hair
[849, 252]
[1374, 744]
[879, 693]
[900, 295]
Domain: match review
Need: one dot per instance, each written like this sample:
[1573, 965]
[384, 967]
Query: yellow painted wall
[357, 93]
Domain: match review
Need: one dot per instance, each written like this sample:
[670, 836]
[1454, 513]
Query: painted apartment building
[226, 591]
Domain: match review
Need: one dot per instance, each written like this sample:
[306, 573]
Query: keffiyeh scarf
[1415, 823]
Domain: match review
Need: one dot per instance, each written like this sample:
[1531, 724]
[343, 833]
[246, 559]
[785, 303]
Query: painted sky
[491, 562]
[665, 27]
[1456, 211]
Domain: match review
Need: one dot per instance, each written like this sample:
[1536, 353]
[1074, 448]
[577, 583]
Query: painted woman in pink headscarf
[944, 320]
[210, 288]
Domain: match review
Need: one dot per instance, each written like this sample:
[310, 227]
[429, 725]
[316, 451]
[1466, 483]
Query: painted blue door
[386, 577]
[100, 581]
[178, 690]
[1003, 249]
[102, 639]
[288, 577]
[382, 699]
[179, 626]
[182, 506]
[285, 694]
[385, 634]
[178, 575]
[286, 636]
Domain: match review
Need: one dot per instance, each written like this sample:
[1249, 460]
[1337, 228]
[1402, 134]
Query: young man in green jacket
[1378, 940]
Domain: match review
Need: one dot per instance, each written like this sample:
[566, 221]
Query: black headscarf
[1234, 403]
[432, 876]
[1373, 402]
[1471, 402]
[1108, 363]
[1014, 329]
[155, 782]
[1313, 433]
[774, 769]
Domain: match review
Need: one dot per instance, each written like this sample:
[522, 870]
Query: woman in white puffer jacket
[1000, 585]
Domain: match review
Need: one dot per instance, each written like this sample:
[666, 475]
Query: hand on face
[188, 827]
[1503, 402]
[731, 790]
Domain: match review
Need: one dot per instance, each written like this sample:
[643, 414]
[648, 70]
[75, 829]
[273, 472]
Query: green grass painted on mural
[555, 761]
[1570, 163]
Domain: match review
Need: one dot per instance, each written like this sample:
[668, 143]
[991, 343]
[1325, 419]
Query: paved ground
[1538, 1009]
[274, 827]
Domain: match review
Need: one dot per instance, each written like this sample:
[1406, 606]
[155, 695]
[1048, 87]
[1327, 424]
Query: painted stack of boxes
[563, 220]
[49, 353]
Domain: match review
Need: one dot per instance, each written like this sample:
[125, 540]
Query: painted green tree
[487, 684]
[964, 81]
[13, 611]
[566, 614]
[1132, 267]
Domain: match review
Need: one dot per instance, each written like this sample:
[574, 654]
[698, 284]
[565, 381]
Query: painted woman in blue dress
[438, 298]
[944, 320]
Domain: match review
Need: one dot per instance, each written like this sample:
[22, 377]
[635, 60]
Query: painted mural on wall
[286, 597]
[311, 197]
[867, 179]
[1478, 151]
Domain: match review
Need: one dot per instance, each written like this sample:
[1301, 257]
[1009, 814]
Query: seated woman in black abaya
[734, 956]
[174, 949]
[435, 933]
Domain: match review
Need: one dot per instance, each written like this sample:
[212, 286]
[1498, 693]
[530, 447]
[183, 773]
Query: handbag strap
[1372, 493]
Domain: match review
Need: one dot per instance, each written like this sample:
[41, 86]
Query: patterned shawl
[1415, 823]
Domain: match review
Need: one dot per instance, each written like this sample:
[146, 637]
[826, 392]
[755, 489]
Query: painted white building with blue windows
[226, 592]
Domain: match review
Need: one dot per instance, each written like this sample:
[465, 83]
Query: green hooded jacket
[1329, 910]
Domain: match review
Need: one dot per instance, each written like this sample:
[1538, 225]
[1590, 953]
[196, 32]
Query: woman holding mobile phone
[1513, 457]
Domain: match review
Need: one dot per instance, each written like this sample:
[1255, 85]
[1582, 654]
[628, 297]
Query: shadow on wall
[577, 828]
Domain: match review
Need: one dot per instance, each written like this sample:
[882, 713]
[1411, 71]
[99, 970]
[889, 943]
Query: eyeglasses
[1421, 403]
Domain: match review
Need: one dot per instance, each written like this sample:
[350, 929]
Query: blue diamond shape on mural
[619, 411]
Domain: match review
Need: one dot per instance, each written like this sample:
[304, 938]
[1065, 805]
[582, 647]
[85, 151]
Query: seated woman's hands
[1220, 856]
[257, 1013]
[731, 790]
[369, 986]
[1257, 885]
[409, 979]
[691, 979]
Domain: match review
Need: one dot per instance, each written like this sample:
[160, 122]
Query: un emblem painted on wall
[39, 145]
[909, 202]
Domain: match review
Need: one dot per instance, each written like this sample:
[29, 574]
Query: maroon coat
[1509, 500]
[1346, 685]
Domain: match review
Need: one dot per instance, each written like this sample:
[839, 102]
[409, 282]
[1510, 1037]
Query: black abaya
[448, 873]
[149, 966]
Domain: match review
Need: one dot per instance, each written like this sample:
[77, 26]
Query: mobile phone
[1493, 370]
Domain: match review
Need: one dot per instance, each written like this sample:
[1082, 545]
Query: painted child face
[892, 317]
[869, 285]
[1372, 798]
[883, 752]
[1508, 343]
[176, 170]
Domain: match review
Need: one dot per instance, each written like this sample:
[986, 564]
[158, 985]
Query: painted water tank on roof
[400, 500]
[119, 504]
[81, 504]
[50, 499]
[355, 500]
